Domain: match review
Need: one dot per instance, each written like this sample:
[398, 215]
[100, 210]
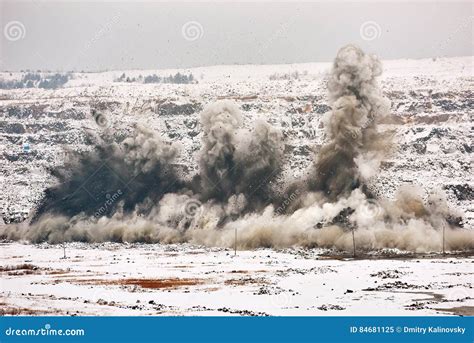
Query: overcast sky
[154, 35]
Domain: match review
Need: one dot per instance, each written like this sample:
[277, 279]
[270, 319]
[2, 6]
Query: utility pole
[235, 242]
[353, 242]
[444, 247]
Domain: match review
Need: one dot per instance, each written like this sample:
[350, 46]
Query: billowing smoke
[170, 223]
[220, 123]
[130, 191]
[236, 162]
[134, 172]
[259, 157]
[355, 147]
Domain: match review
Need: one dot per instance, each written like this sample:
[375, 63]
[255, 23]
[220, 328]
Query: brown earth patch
[7, 310]
[22, 272]
[68, 275]
[29, 269]
[58, 272]
[24, 266]
[236, 97]
[247, 271]
[161, 283]
[392, 256]
[144, 283]
[459, 311]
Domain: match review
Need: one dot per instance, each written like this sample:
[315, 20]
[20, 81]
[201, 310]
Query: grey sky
[149, 35]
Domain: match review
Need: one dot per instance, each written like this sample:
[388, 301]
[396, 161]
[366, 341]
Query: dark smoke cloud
[217, 164]
[130, 191]
[111, 176]
[355, 146]
[237, 162]
[259, 157]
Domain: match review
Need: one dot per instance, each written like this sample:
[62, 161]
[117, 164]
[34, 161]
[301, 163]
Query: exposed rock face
[431, 112]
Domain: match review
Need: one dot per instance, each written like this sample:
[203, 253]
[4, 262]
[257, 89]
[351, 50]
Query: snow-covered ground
[431, 114]
[126, 279]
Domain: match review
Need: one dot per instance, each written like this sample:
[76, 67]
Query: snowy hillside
[432, 111]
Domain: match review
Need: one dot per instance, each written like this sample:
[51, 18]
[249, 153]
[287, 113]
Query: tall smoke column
[355, 147]
[220, 122]
[259, 158]
[234, 190]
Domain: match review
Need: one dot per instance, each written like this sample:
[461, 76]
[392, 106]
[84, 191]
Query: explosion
[131, 191]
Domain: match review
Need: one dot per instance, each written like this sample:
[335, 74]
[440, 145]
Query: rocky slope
[431, 116]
